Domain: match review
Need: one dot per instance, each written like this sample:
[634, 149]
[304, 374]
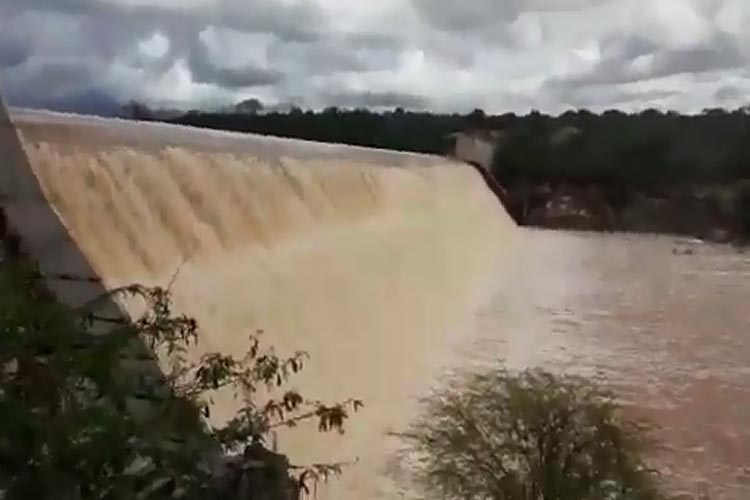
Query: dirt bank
[718, 213]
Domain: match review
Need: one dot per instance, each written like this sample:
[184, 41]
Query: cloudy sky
[447, 55]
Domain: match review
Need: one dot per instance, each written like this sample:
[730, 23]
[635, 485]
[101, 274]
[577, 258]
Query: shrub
[528, 436]
[69, 428]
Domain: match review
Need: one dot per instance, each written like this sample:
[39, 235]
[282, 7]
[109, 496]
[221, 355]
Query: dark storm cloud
[337, 54]
[298, 30]
[293, 21]
[478, 15]
[60, 85]
[731, 93]
[604, 97]
[298, 22]
[84, 34]
[323, 57]
[66, 75]
[452, 15]
[234, 78]
[13, 51]
[620, 62]
[722, 54]
[204, 70]
[624, 49]
[411, 53]
[374, 41]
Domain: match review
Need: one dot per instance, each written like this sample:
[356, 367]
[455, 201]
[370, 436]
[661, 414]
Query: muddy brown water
[664, 322]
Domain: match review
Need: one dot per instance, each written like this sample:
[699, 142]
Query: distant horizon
[113, 109]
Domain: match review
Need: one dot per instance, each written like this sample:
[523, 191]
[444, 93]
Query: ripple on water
[669, 333]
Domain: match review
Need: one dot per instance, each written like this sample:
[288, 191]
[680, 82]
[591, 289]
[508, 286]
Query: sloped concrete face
[42, 233]
[43, 236]
[475, 149]
[373, 262]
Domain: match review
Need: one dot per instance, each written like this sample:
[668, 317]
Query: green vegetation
[85, 413]
[649, 149]
[646, 149]
[397, 130]
[529, 436]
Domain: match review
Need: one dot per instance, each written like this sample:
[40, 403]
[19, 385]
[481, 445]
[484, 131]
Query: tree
[88, 414]
[528, 436]
[249, 106]
[476, 118]
[136, 110]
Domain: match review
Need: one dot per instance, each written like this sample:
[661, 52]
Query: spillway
[373, 262]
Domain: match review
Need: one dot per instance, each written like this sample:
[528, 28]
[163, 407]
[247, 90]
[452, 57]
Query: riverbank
[717, 213]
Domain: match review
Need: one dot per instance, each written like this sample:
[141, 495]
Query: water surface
[665, 322]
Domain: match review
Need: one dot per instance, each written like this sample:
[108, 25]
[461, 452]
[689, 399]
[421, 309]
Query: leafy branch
[68, 390]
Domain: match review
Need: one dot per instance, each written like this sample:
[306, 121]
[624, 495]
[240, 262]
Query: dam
[387, 268]
[373, 262]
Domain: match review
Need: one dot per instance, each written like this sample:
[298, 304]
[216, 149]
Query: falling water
[373, 262]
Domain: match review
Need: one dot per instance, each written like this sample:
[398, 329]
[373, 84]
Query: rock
[716, 213]
[718, 235]
[259, 474]
[564, 210]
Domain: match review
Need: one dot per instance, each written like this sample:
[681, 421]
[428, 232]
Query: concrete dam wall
[373, 262]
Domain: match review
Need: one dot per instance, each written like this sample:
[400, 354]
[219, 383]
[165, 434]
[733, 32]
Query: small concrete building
[477, 147]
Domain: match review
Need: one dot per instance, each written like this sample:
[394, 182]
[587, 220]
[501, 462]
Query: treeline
[643, 149]
[646, 149]
[399, 130]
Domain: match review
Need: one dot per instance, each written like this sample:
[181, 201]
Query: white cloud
[448, 55]
[527, 31]
[154, 47]
[733, 18]
[675, 23]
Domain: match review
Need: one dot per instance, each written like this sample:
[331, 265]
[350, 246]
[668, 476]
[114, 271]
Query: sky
[440, 55]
